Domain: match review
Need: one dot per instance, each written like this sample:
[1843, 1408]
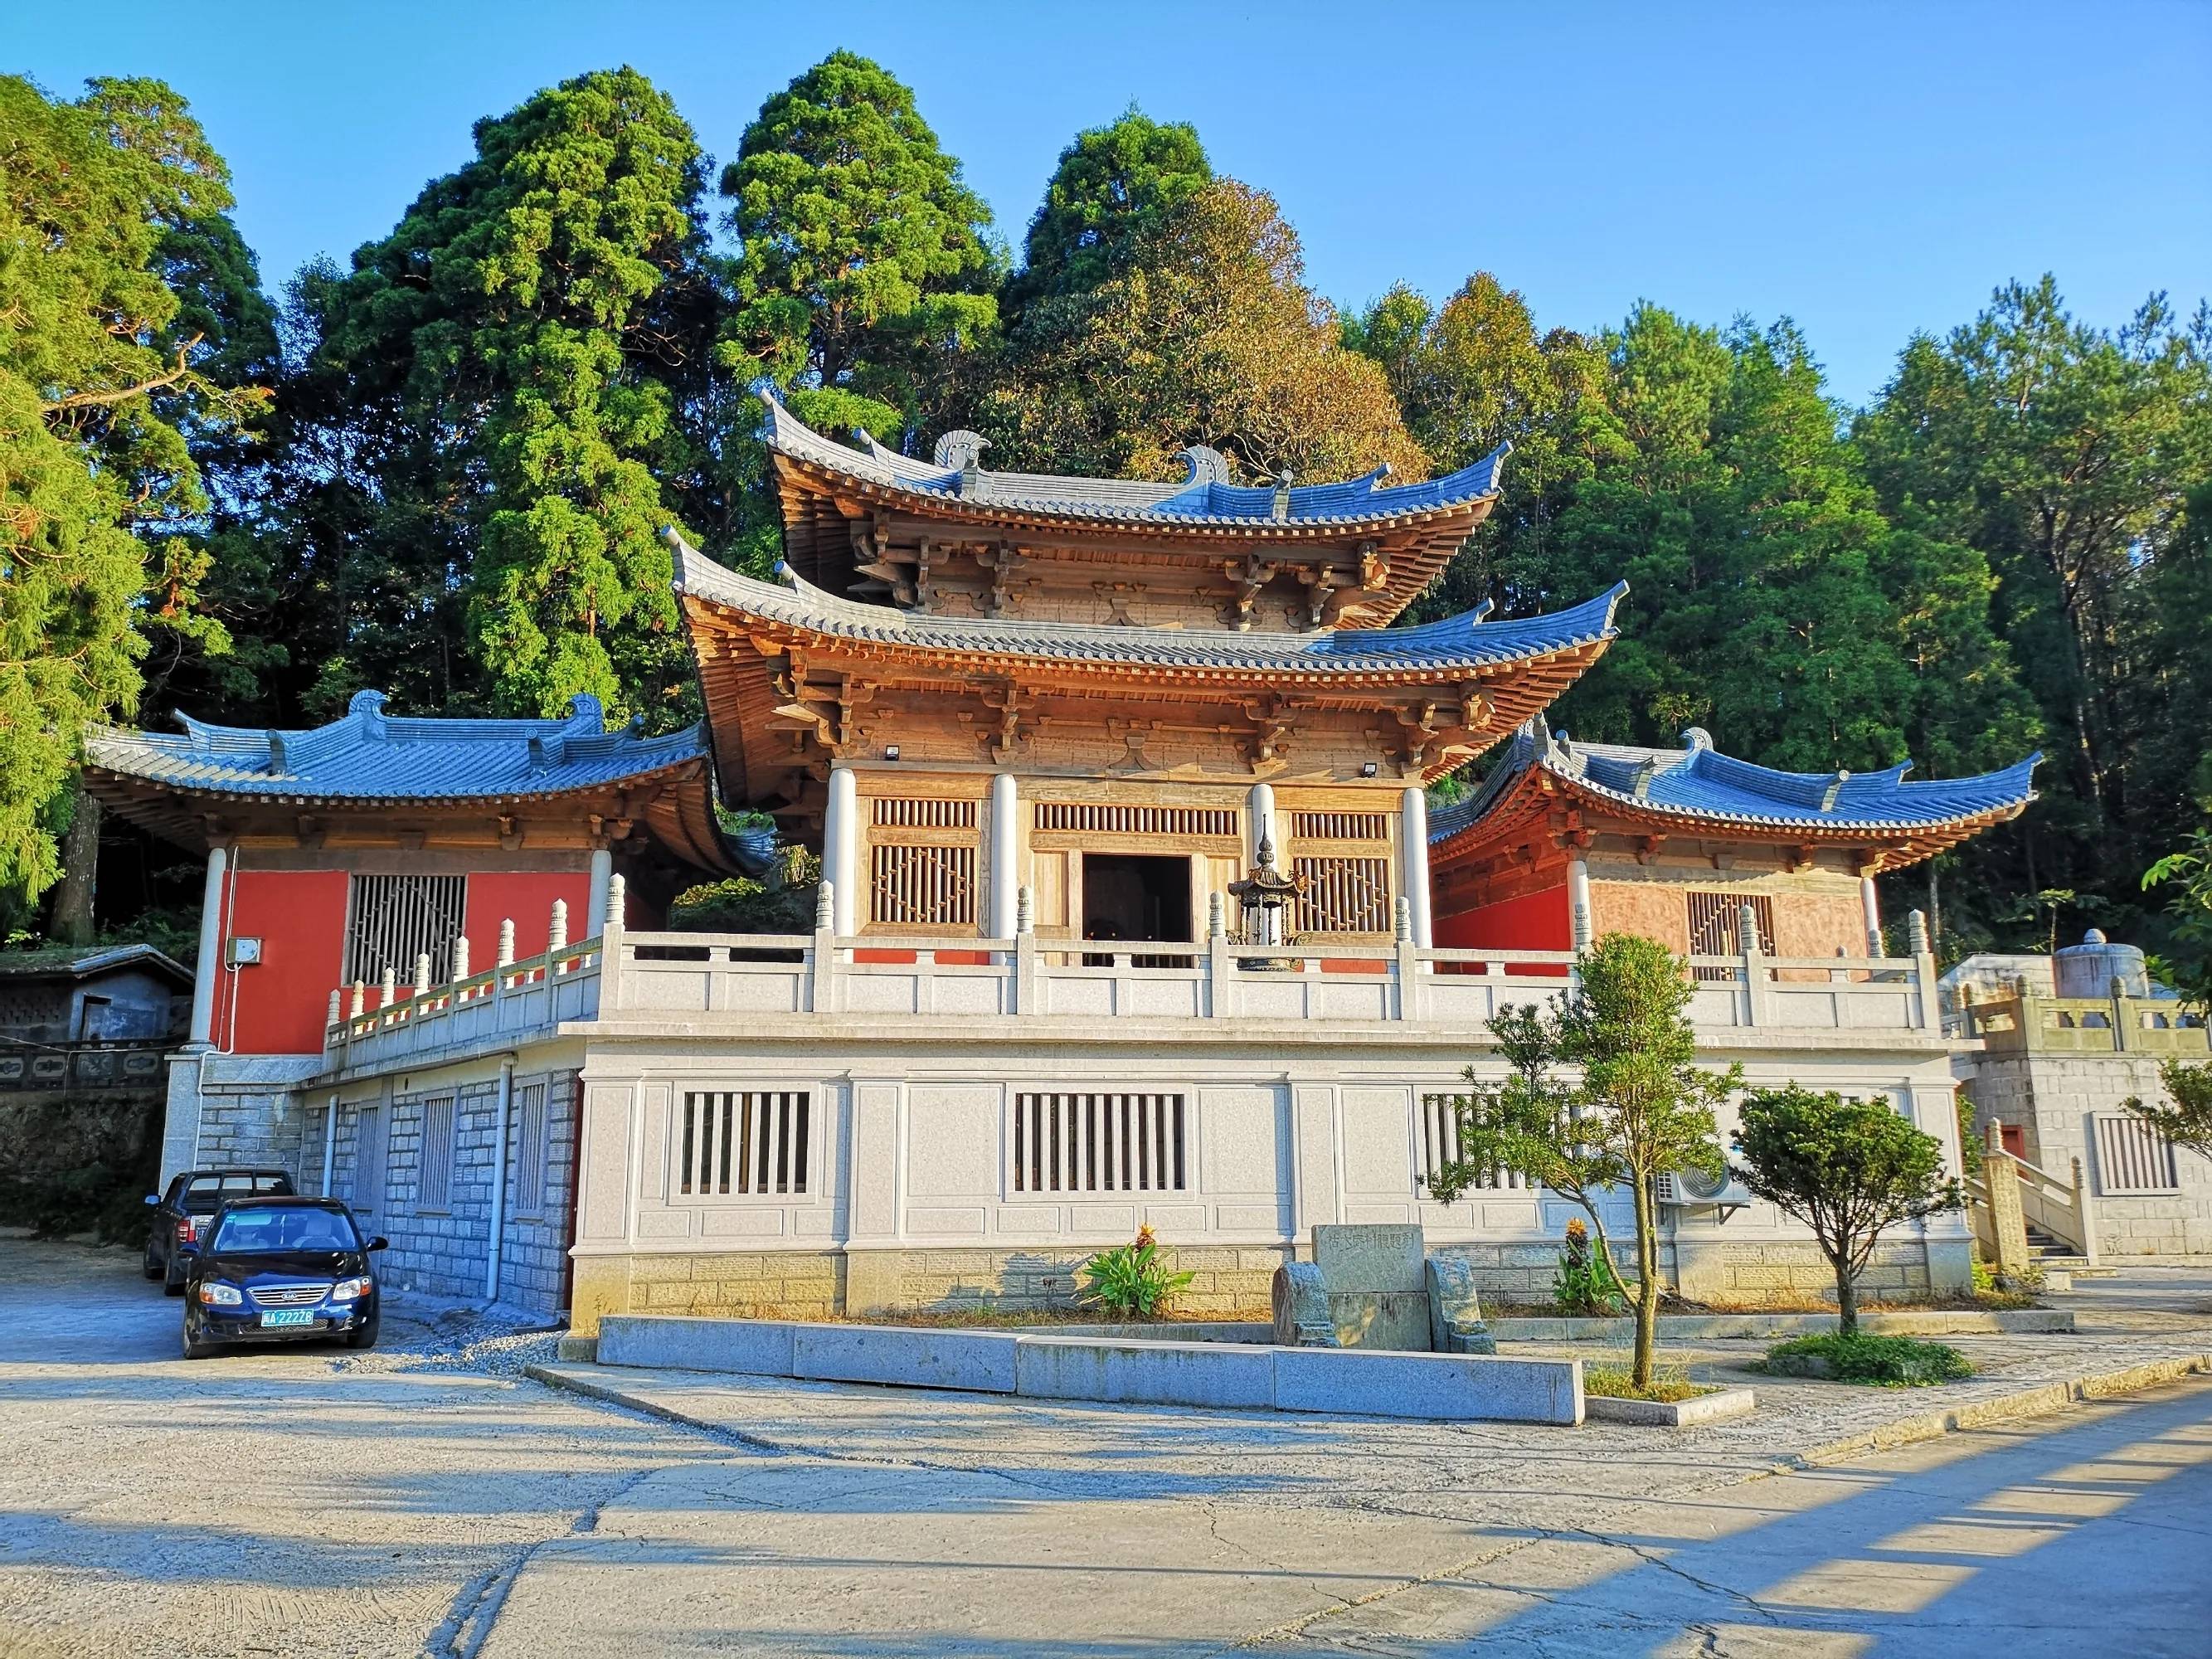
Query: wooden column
[208, 964]
[840, 849]
[1005, 858]
[1414, 862]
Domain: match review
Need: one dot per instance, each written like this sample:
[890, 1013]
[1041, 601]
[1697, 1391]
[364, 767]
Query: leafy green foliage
[510, 337]
[1205, 333]
[1131, 1281]
[1113, 187]
[863, 254]
[2184, 1116]
[1601, 1091]
[780, 902]
[2064, 454]
[1848, 1169]
[1900, 1362]
[103, 202]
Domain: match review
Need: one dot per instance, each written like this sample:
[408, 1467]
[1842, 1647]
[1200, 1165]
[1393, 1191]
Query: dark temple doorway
[1127, 895]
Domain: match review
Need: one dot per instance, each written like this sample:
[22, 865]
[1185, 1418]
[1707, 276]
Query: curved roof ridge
[1461, 640]
[1352, 500]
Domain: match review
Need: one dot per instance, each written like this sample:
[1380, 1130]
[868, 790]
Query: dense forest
[442, 470]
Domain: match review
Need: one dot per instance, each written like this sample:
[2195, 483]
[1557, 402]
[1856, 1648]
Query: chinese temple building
[1134, 913]
[1564, 841]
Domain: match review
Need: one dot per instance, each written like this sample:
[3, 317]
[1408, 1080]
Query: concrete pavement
[412, 1501]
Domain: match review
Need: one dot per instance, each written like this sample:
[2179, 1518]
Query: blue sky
[1867, 169]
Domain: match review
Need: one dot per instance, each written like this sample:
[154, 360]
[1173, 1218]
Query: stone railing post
[1755, 969]
[1219, 973]
[460, 957]
[387, 989]
[2085, 1213]
[556, 931]
[1408, 960]
[359, 1005]
[1927, 1016]
[2008, 1218]
[613, 951]
[823, 995]
[422, 973]
[2121, 1012]
[338, 1007]
[1025, 962]
[507, 942]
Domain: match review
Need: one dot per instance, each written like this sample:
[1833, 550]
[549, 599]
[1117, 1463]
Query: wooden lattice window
[1340, 826]
[2132, 1158]
[396, 919]
[1091, 818]
[922, 886]
[920, 812]
[749, 1142]
[1343, 895]
[1098, 1143]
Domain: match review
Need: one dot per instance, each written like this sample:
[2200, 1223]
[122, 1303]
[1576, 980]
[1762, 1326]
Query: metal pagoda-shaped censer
[1264, 898]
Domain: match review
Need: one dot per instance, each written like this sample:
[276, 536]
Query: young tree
[2185, 1117]
[1847, 1168]
[1601, 1091]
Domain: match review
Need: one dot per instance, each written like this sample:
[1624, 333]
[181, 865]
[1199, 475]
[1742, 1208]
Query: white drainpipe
[330, 1143]
[499, 1182]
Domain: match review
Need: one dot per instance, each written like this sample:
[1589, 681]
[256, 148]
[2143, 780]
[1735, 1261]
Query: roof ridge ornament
[1646, 770]
[365, 707]
[1835, 788]
[1284, 480]
[1695, 738]
[1203, 465]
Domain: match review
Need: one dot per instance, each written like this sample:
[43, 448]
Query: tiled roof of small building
[1699, 785]
[1204, 497]
[1465, 641]
[370, 756]
[74, 961]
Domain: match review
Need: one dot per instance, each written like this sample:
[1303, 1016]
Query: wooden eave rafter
[673, 804]
[746, 679]
[1540, 793]
[1395, 556]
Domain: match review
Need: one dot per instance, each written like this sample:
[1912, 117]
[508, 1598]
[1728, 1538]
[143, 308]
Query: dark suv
[180, 1215]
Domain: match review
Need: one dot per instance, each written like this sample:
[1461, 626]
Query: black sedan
[181, 1214]
[278, 1270]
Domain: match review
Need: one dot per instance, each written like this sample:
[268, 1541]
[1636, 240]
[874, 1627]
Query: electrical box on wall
[243, 952]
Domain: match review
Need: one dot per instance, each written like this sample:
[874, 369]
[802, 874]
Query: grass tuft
[1669, 1385]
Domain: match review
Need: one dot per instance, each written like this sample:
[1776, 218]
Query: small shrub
[1585, 1287]
[1895, 1362]
[1130, 1281]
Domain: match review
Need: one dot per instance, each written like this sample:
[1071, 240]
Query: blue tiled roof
[1198, 500]
[1699, 782]
[370, 756]
[1462, 642]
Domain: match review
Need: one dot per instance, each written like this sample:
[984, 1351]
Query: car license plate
[287, 1316]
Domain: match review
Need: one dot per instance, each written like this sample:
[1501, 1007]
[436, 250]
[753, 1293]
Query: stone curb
[1716, 1407]
[1693, 1327]
[2037, 1402]
[569, 1380]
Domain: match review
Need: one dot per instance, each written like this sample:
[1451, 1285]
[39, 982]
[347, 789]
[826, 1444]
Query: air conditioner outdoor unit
[1695, 1186]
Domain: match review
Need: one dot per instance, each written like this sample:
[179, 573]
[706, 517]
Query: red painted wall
[277, 1005]
[525, 896]
[1534, 921]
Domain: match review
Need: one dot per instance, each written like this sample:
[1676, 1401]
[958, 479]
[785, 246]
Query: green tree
[1601, 1091]
[1475, 373]
[1113, 187]
[101, 390]
[2062, 454]
[1849, 1170]
[508, 350]
[865, 257]
[1205, 333]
